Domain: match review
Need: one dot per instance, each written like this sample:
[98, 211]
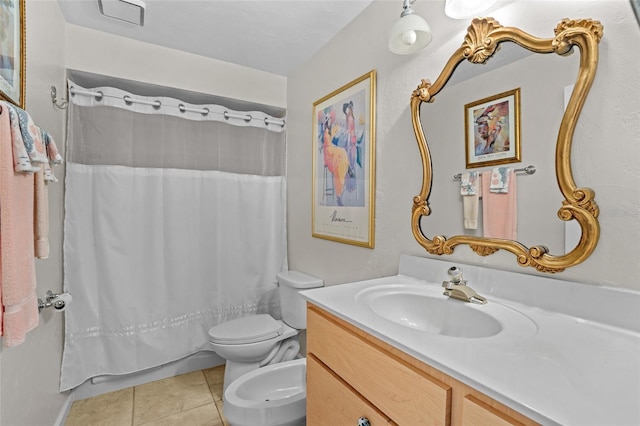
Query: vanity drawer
[477, 413]
[402, 392]
[331, 401]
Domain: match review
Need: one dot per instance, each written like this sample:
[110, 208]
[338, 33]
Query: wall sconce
[463, 9]
[410, 33]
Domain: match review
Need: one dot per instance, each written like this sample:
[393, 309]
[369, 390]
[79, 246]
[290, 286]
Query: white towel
[469, 192]
[50, 146]
[32, 137]
[21, 160]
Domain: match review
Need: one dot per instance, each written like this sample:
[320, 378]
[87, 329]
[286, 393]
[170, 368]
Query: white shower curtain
[171, 226]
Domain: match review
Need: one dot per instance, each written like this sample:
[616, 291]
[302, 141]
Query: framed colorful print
[344, 150]
[12, 51]
[492, 130]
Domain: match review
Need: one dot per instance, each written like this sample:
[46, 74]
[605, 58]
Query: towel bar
[528, 170]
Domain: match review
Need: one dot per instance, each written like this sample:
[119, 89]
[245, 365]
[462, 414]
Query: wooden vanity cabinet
[351, 374]
[331, 400]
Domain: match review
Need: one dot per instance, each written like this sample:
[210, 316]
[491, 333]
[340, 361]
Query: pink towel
[41, 217]
[17, 262]
[499, 209]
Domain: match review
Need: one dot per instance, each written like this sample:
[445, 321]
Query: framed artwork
[492, 130]
[12, 51]
[343, 173]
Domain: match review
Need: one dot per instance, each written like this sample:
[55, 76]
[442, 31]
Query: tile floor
[192, 399]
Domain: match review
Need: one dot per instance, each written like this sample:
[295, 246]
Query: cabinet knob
[363, 421]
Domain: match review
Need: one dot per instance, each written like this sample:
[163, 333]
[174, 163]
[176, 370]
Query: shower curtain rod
[182, 107]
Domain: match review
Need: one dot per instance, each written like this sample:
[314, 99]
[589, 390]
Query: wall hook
[62, 104]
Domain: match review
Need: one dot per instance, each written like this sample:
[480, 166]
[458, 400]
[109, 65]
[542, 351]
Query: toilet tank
[292, 305]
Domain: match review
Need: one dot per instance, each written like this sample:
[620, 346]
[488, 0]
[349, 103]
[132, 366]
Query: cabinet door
[405, 394]
[330, 401]
[477, 413]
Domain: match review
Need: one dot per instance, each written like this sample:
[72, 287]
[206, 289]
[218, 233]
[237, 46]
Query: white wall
[107, 54]
[605, 150]
[31, 371]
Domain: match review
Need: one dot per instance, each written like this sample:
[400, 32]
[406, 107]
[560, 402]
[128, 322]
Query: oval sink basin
[425, 308]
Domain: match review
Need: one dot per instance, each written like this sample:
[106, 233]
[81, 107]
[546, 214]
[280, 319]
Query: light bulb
[409, 37]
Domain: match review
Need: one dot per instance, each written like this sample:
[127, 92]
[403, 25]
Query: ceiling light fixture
[410, 33]
[131, 11]
[464, 9]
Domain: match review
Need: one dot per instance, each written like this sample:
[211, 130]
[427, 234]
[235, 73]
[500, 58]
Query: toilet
[262, 355]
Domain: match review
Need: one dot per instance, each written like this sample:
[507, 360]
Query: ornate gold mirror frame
[480, 43]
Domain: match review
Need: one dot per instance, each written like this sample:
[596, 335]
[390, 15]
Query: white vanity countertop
[574, 368]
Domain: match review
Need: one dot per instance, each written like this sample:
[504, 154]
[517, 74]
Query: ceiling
[275, 36]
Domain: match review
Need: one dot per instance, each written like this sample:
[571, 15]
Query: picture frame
[492, 130]
[343, 163]
[12, 52]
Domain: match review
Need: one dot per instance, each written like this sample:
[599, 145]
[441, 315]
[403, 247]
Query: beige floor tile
[170, 396]
[206, 415]
[112, 409]
[215, 379]
[219, 404]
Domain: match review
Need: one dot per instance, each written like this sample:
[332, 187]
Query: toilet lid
[254, 328]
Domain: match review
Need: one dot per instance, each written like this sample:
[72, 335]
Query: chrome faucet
[457, 288]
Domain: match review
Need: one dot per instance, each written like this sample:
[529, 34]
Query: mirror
[540, 81]
[484, 38]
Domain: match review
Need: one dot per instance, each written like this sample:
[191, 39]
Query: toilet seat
[250, 329]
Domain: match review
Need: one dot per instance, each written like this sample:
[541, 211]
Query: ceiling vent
[131, 11]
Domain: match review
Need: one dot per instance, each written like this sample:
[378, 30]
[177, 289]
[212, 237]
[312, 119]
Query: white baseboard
[64, 410]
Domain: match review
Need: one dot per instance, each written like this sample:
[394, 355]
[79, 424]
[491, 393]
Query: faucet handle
[447, 284]
[455, 276]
